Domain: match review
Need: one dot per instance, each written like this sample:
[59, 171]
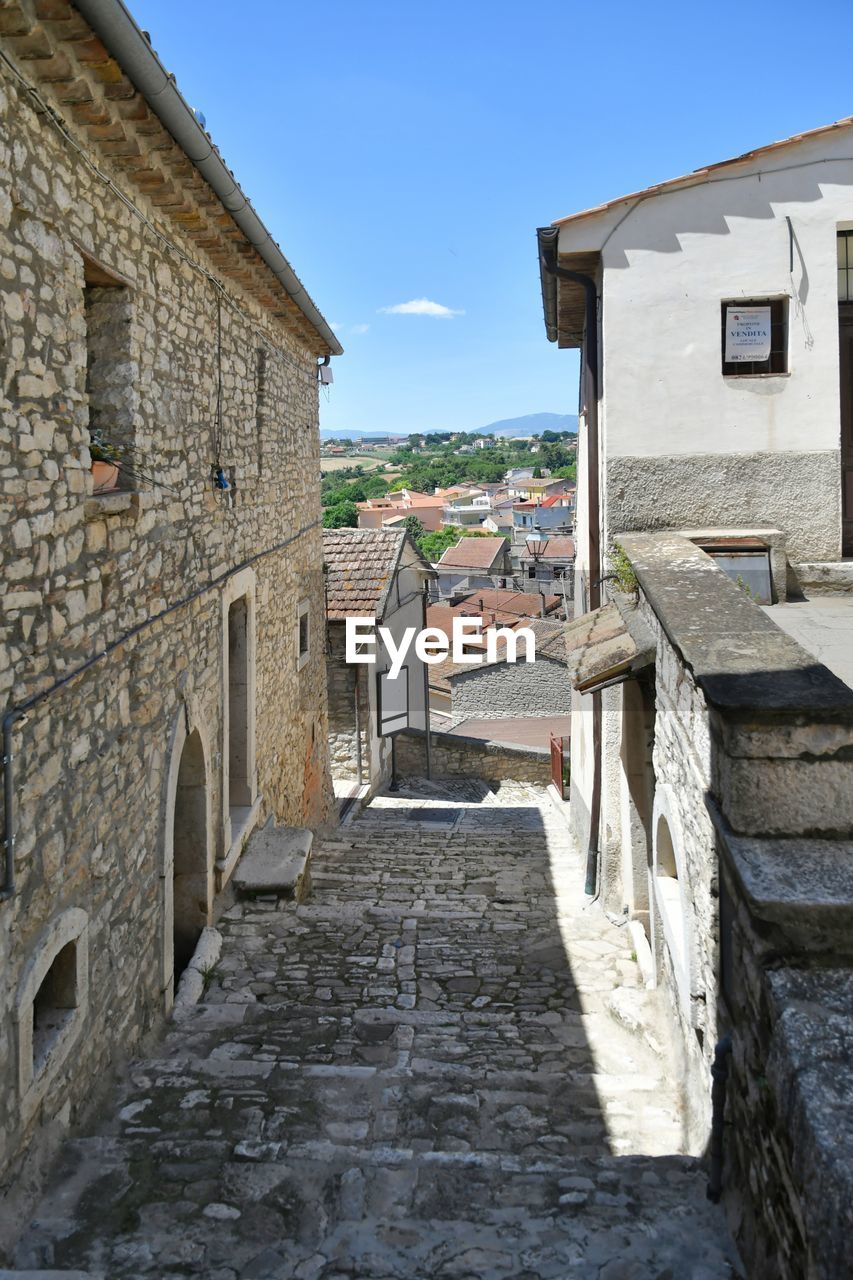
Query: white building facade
[682, 437]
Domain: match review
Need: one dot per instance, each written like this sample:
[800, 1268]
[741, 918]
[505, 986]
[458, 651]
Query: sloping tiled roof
[473, 553]
[497, 604]
[360, 565]
[702, 175]
[560, 548]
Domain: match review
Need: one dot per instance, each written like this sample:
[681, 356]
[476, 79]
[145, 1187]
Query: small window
[845, 266]
[303, 636]
[760, 323]
[54, 1004]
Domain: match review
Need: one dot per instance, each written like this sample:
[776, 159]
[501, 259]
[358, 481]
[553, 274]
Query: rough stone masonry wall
[78, 573]
[753, 761]
[454, 756]
[682, 768]
[343, 738]
[539, 688]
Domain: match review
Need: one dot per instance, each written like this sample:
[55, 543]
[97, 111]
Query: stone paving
[414, 1074]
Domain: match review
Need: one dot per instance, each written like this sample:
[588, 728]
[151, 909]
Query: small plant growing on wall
[622, 570]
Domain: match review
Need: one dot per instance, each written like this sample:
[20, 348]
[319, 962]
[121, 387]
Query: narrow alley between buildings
[415, 1073]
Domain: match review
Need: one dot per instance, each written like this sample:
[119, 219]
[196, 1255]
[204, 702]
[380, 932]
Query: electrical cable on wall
[220, 480]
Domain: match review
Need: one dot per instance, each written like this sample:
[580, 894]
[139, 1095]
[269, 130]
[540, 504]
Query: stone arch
[52, 1005]
[187, 870]
[637, 796]
[672, 915]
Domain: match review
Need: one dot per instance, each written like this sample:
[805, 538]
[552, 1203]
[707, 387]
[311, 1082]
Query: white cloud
[420, 307]
[335, 325]
[360, 328]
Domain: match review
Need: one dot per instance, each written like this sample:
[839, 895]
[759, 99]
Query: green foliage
[413, 526]
[334, 490]
[567, 473]
[434, 545]
[101, 449]
[342, 516]
[622, 569]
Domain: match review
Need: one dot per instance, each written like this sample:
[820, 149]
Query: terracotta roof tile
[473, 553]
[360, 564]
[559, 548]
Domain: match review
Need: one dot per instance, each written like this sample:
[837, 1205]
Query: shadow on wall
[690, 211]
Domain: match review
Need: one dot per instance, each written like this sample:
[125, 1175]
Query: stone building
[161, 656]
[711, 753]
[502, 690]
[378, 574]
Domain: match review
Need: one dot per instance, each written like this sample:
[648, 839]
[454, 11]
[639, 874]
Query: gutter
[125, 42]
[551, 272]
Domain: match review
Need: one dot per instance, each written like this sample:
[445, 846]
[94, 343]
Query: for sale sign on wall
[747, 334]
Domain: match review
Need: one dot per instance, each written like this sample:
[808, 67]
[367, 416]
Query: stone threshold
[243, 822]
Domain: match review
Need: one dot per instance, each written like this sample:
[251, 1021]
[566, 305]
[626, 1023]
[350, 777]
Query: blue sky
[408, 150]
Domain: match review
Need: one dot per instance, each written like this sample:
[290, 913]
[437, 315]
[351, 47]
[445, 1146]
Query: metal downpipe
[720, 1078]
[9, 834]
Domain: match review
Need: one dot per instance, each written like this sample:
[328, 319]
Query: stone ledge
[193, 979]
[827, 577]
[740, 659]
[112, 503]
[802, 887]
[276, 861]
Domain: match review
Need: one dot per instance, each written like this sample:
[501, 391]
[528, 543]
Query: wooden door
[846, 330]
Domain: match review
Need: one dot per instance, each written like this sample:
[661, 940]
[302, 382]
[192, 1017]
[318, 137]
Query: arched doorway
[191, 887]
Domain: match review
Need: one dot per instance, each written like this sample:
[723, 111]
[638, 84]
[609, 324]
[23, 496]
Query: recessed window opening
[109, 373]
[303, 635]
[754, 325]
[239, 783]
[190, 879]
[54, 1003]
[845, 266]
[669, 893]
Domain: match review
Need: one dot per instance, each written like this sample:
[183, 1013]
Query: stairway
[414, 1073]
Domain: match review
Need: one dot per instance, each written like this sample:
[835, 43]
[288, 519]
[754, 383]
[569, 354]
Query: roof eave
[125, 41]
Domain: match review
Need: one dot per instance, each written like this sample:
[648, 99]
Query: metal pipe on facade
[548, 237]
[9, 721]
[125, 41]
[720, 1077]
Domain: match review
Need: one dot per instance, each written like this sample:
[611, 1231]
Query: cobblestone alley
[414, 1074]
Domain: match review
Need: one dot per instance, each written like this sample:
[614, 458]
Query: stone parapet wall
[454, 756]
[751, 872]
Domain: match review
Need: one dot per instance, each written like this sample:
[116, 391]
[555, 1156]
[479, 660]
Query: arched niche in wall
[672, 923]
[187, 866]
[52, 1004]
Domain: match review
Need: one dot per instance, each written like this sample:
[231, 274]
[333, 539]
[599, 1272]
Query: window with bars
[777, 361]
[845, 266]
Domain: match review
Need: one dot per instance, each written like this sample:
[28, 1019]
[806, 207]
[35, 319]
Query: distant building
[554, 515]
[375, 573]
[473, 562]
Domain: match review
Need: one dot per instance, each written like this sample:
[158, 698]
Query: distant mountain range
[531, 424]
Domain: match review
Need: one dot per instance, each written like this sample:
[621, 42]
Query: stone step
[275, 862]
[396, 1213]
